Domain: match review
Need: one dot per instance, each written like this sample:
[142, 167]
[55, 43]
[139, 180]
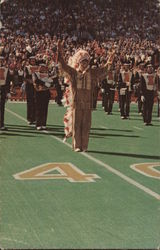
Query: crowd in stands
[96, 19]
[32, 28]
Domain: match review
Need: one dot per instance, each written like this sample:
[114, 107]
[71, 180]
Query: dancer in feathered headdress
[83, 81]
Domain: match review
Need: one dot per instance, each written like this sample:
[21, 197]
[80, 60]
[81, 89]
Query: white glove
[123, 91]
[47, 84]
[102, 90]
[142, 98]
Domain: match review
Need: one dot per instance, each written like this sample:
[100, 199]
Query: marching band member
[102, 87]
[117, 74]
[30, 91]
[158, 90]
[83, 82]
[126, 81]
[20, 70]
[139, 71]
[42, 82]
[148, 88]
[4, 90]
[12, 73]
[58, 86]
[109, 91]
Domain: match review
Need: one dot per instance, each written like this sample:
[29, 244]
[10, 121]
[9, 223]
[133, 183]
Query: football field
[105, 198]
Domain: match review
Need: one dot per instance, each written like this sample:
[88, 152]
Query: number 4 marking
[66, 171]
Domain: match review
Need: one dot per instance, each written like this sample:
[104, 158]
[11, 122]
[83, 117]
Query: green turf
[108, 213]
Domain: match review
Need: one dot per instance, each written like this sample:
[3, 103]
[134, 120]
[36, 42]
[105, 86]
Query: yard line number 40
[67, 171]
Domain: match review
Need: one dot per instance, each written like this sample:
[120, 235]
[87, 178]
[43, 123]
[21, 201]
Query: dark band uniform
[42, 83]
[109, 91]
[58, 84]
[158, 91]
[30, 92]
[148, 88]
[126, 81]
[4, 89]
[137, 90]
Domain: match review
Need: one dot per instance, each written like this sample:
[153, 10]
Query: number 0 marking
[66, 171]
[147, 169]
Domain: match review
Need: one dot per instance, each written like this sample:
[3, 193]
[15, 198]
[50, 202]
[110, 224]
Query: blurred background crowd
[32, 28]
[96, 19]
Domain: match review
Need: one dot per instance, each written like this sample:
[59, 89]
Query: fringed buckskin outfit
[83, 85]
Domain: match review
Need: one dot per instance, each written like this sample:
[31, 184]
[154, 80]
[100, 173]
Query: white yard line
[109, 168]
[15, 114]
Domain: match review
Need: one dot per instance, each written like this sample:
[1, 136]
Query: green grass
[57, 214]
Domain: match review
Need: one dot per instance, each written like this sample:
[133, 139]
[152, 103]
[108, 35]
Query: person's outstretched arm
[65, 67]
[101, 73]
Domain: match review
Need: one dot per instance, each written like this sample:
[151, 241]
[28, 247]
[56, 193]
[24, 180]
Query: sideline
[109, 168]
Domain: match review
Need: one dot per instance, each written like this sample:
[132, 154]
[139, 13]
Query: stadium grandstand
[32, 28]
[79, 124]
